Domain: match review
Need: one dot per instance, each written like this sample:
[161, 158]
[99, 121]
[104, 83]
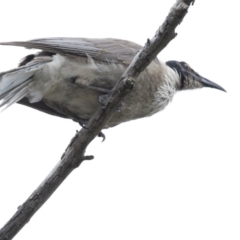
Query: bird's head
[189, 79]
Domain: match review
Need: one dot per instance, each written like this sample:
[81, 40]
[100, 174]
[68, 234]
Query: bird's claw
[102, 99]
[102, 135]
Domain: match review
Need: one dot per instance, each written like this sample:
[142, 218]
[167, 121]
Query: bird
[68, 76]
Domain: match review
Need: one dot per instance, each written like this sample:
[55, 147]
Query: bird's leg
[101, 134]
[102, 100]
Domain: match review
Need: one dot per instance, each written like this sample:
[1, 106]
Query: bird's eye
[186, 66]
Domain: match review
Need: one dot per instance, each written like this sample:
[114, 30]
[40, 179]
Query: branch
[74, 154]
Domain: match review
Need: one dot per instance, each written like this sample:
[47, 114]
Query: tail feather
[14, 84]
[15, 95]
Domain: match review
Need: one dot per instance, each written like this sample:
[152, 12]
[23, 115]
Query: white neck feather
[166, 91]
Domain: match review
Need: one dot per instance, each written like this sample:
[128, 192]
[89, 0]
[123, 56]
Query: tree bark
[74, 154]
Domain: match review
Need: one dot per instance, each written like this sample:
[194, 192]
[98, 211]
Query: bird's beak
[206, 83]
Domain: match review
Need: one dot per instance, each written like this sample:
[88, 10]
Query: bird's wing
[105, 50]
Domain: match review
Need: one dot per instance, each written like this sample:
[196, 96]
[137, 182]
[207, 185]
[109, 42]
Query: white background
[175, 175]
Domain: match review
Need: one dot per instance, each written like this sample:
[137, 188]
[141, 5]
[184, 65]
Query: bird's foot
[119, 107]
[102, 135]
[102, 99]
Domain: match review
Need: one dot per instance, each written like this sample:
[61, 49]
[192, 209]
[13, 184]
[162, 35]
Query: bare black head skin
[189, 79]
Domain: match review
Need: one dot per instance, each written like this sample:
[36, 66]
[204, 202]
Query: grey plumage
[67, 77]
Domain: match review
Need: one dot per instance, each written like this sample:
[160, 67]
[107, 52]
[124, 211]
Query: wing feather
[106, 50]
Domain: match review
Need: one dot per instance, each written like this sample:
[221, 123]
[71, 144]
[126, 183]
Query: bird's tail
[14, 84]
